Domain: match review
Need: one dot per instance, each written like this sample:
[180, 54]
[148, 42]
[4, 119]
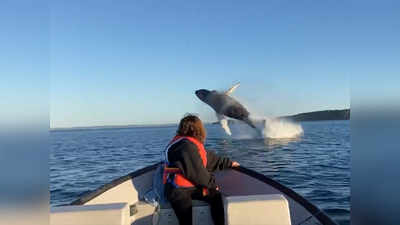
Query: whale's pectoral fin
[232, 89]
[224, 124]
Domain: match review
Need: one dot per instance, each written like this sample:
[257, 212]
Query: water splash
[267, 128]
[281, 128]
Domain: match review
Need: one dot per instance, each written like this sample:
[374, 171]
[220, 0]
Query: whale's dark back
[226, 105]
[236, 111]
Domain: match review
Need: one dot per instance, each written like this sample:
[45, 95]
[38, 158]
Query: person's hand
[235, 164]
[217, 188]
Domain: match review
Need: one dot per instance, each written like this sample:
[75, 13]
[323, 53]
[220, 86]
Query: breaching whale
[225, 105]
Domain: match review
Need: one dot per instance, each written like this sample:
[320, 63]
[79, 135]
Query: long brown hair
[190, 125]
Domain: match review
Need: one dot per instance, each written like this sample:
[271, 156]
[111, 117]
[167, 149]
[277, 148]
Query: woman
[188, 172]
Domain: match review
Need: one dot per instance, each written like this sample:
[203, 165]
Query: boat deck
[233, 182]
[144, 215]
[236, 183]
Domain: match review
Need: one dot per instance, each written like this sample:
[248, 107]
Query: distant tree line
[343, 114]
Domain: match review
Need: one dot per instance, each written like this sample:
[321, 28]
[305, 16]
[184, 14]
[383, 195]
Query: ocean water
[316, 165]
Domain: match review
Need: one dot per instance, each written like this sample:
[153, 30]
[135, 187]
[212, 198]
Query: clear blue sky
[139, 62]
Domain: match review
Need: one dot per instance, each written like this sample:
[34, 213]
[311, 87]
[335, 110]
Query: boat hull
[233, 182]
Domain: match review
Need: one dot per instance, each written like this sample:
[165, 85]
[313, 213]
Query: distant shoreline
[341, 114]
[323, 115]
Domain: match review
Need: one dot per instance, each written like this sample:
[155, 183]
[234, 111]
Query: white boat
[249, 198]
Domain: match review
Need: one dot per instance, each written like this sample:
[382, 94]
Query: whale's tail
[260, 130]
[249, 122]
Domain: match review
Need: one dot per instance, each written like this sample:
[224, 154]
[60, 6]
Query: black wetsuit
[184, 155]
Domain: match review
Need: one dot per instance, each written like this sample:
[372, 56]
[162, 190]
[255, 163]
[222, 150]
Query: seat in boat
[257, 210]
[98, 214]
[165, 215]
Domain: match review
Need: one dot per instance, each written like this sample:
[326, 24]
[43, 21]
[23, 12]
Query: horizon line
[158, 124]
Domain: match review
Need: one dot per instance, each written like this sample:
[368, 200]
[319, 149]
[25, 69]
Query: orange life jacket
[179, 180]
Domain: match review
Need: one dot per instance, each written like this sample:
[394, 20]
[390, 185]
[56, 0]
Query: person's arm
[214, 162]
[192, 167]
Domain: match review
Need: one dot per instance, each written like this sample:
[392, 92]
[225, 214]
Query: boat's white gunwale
[82, 200]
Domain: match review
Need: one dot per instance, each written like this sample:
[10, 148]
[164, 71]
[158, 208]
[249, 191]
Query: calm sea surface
[316, 165]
